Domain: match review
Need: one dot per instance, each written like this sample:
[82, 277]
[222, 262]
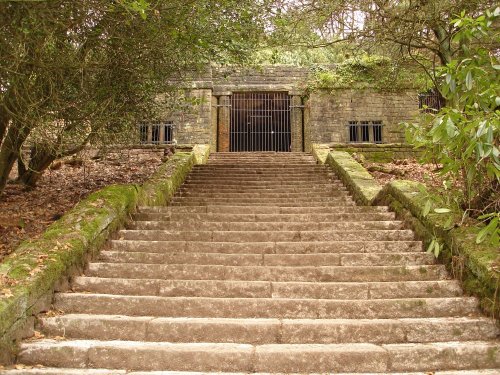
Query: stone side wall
[330, 113]
[194, 124]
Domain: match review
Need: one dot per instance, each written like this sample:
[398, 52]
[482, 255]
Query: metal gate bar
[260, 121]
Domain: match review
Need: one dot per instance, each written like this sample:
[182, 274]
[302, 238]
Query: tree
[464, 137]
[73, 71]
[420, 29]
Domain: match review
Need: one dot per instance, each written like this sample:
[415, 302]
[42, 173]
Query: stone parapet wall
[379, 152]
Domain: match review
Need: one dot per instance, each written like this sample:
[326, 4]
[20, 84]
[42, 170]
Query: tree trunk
[4, 122]
[444, 39]
[9, 152]
[41, 158]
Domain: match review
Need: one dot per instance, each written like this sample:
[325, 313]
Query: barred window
[365, 131]
[156, 133]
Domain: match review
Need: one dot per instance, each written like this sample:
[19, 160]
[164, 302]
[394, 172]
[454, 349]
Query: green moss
[473, 264]
[357, 179]
[368, 72]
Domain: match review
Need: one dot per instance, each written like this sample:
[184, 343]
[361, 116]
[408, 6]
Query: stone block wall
[270, 78]
[193, 124]
[331, 111]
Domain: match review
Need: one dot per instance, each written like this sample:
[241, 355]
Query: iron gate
[260, 121]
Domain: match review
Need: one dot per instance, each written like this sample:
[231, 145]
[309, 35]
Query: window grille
[430, 102]
[365, 131]
[156, 133]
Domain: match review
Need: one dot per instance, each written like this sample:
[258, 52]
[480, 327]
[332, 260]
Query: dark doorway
[260, 121]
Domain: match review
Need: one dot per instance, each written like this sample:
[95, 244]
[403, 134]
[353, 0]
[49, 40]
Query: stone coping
[30, 275]
[355, 177]
[475, 265]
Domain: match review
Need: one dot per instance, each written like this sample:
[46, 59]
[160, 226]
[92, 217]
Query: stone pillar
[307, 126]
[224, 122]
[296, 122]
[213, 121]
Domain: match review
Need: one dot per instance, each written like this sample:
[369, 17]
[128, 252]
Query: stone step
[228, 209]
[258, 194]
[291, 308]
[267, 289]
[341, 259]
[337, 200]
[241, 180]
[27, 370]
[136, 355]
[263, 218]
[267, 331]
[264, 226]
[267, 273]
[278, 171]
[201, 189]
[252, 180]
[259, 186]
[268, 236]
[304, 247]
[259, 203]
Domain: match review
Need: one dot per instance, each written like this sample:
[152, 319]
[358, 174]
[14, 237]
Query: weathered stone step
[289, 204]
[258, 186]
[253, 209]
[265, 307]
[267, 273]
[257, 194]
[201, 189]
[341, 259]
[339, 200]
[267, 289]
[264, 226]
[263, 218]
[61, 371]
[257, 181]
[269, 236]
[285, 247]
[253, 172]
[279, 180]
[268, 331]
[135, 355]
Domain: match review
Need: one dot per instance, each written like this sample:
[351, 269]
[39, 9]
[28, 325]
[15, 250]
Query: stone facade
[331, 112]
[320, 116]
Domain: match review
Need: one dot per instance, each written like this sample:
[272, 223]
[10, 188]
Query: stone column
[224, 122]
[296, 122]
[307, 126]
[213, 121]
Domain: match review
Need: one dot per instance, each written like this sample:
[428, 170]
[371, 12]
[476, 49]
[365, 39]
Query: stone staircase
[263, 263]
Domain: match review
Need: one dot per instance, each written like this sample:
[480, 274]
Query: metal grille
[260, 121]
[156, 133]
[430, 102]
[365, 131]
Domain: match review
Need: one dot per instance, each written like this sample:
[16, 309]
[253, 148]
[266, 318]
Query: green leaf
[437, 249]
[442, 210]
[469, 81]
[427, 208]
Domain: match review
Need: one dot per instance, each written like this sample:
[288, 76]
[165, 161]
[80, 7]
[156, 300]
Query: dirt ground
[406, 169]
[26, 214]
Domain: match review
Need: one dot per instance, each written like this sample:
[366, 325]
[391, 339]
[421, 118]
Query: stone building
[272, 109]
